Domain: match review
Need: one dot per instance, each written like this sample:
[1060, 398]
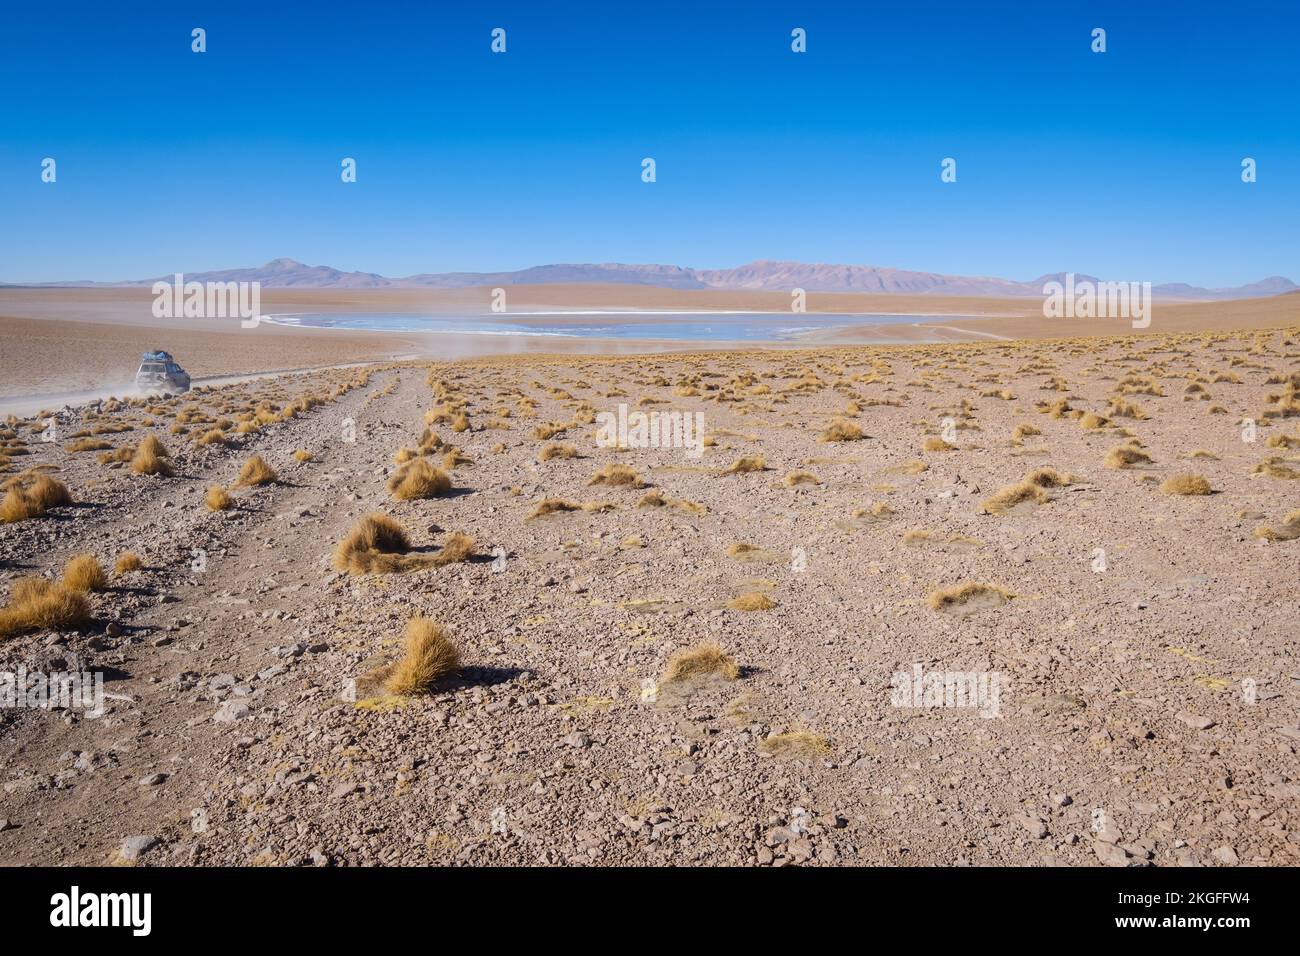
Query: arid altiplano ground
[1146, 639]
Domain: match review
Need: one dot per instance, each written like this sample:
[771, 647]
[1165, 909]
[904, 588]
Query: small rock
[1110, 854]
[152, 780]
[133, 847]
[1225, 855]
[231, 711]
[1037, 828]
[1195, 721]
[577, 740]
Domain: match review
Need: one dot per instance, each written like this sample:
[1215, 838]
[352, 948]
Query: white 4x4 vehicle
[160, 373]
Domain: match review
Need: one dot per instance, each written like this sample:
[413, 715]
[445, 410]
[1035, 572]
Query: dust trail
[24, 405]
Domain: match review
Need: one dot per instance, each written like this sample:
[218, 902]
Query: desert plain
[411, 611]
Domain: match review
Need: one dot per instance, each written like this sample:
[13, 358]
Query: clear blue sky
[1124, 165]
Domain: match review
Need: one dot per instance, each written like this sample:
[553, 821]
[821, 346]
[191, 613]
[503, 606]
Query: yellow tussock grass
[1185, 483]
[1049, 478]
[956, 597]
[557, 450]
[418, 479]
[218, 499]
[746, 463]
[701, 661]
[798, 743]
[1004, 499]
[796, 478]
[549, 506]
[617, 476]
[841, 430]
[429, 656]
[256, 472]
[84, 573]
[37, 604]
[753, 601]
[1125, 456]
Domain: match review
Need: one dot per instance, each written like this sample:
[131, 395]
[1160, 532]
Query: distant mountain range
[762, 276]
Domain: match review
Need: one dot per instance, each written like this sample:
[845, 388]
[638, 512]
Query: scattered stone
[1110, 854]
[1226, 855]
[1195, 721]
[231, 711]
[1037, 828]
[132, 848]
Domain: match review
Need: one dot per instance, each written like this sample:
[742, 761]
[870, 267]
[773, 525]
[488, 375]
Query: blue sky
[1124, 164]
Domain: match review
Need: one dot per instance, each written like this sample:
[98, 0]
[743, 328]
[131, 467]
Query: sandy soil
[1148, 710]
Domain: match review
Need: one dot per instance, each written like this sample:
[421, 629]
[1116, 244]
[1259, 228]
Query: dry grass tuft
[796, 478]
[37, 604]
[797, 743]
[557, 450]
[968, 593]
[30, 497]
[453, 457]
[218, 499]
[1289, 531]
[1275, 468]
[1010, 496]
[418, 479]
[878, 509]
[1125, 456]
[617, 475]
[457, 547]
[377, 544]
[372, 546]
[697, 662]
[746, 463]
[748, 552]
[256, 472]
[153, 446]
[430, 655]
[84, 573]
[841, 430]
[937, 444]
[151, 458]
[753, 601]
[88, 444]
[127, 562]
[549, 506]
[1185, 483]
[1049, 478]
[1023, 431]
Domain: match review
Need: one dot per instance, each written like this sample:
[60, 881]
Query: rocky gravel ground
[1143, 644]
